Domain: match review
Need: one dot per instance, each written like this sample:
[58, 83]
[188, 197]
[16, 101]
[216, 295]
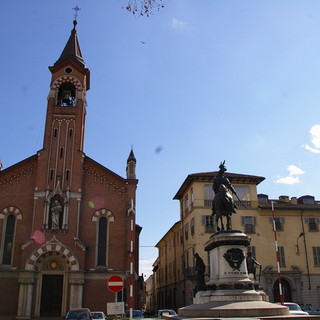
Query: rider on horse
[223, 203]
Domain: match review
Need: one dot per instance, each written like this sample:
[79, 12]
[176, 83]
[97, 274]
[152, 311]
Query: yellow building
[297, 234]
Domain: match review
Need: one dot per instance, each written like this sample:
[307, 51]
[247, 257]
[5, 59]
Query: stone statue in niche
[56, 211]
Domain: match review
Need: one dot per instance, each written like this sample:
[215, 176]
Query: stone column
[76, 282]
[26, 281]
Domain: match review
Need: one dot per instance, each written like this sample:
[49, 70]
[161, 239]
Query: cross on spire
[76, 9]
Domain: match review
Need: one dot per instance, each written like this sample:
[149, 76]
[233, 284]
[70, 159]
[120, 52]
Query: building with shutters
[66, 222]
[297, 223]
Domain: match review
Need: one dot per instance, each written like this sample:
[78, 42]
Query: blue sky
[199, 82]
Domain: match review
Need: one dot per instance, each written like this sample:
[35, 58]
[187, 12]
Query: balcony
[243, 204]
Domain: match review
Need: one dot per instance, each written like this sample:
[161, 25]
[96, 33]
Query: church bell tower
[61, 159]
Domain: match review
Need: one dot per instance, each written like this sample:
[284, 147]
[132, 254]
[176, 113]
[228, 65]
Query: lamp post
[297, 245]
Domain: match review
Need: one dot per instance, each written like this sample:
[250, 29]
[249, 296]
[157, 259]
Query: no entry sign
[115, 284]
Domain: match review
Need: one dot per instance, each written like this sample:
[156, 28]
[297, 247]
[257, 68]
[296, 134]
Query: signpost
[115, 284]
[115, 308]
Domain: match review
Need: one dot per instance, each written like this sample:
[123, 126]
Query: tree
[144, 7]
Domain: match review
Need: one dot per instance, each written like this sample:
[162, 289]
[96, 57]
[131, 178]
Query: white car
[295, 309]
[168, 312]
[98, 315]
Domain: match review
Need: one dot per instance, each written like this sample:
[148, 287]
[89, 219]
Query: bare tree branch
[144, 7]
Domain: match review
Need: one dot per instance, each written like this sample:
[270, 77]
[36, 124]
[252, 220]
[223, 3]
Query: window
[192, 196]
[181, 236]
[207, 221]
[102, 242]
[186, 231]
[243, 193]
[278, 222]
[282, 261]
[316, 256]
[312, 223]
[306, 200]
[263, 198]
[8, 240]
[192, 226]
[186, 205]
[208, 195]
[249, 224]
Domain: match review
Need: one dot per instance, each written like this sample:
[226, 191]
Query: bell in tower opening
[67, 95]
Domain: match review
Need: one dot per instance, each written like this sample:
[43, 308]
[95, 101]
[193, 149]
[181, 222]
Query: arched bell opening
[66, 95]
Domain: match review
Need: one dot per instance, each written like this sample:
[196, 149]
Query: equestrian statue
[223, 204]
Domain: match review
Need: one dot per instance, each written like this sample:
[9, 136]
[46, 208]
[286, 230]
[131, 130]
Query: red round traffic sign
[115, 284]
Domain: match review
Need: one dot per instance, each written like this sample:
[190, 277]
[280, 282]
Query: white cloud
[315, 139]
[178, 24]
[292, 178]
[294, 170]
[145, 267]
[287, 180]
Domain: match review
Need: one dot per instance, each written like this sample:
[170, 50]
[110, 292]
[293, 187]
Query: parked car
[310, 309]
[169, 312]
[98, 315]
[149, 313]
[295, 309]
[135, 314]
[79, 314]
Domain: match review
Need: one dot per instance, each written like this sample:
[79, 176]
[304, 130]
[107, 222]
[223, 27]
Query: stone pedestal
[230, 290]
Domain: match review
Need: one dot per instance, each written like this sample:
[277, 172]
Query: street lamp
[297, 245]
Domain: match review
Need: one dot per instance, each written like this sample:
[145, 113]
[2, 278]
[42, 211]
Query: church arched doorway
[52, 285]
[51, 295]
[286, 291]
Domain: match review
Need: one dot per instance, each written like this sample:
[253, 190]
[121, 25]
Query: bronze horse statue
[223, 204]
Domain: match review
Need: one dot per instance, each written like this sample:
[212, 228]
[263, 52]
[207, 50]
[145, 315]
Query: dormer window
[306, 200]
[263, 198]
[67, 95]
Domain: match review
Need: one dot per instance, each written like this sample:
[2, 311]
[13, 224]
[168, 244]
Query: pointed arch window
[8, 239]
[102, 241]
[102, 218]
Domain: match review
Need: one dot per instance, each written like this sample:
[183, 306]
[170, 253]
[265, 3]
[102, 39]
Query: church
[67, 223]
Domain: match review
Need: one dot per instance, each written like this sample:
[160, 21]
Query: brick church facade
[67, 223]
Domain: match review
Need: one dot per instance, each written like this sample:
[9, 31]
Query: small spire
[131, 156]
[131, 165]
[72, 48]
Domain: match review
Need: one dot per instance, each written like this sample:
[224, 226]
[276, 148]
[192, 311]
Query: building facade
[67, 223]
[297, 233]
